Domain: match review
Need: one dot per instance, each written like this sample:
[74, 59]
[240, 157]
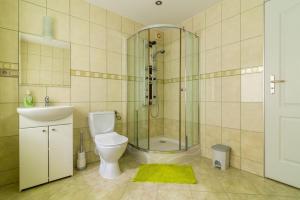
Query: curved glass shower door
[137, 62]
[162, 89]
[191, 58]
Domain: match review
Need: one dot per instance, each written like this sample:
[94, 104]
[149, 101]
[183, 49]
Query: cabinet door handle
[53, 129]
[44, 131]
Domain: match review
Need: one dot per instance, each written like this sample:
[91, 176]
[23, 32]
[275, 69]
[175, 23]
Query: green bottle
[28, 100]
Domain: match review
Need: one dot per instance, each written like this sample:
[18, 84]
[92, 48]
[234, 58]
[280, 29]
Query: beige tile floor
[213, 184]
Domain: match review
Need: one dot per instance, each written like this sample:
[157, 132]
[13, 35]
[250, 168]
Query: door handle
[278, 81]
[273, 81]
[53, 129]
[44, 131]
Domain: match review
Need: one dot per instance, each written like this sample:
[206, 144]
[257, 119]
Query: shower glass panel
[163, 89]
[191, 56]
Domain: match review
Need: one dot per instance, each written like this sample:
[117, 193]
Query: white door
[33, 147]
[282, 91]
[60, 151]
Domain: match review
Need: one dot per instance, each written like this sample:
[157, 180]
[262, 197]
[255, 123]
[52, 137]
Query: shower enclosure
[163, 89]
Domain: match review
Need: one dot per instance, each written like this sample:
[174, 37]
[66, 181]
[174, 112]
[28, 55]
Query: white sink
[50, 113]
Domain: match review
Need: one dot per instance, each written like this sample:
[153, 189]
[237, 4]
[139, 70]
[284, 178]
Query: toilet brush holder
[81, 161]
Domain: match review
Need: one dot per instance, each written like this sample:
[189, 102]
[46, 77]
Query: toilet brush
[81, 161]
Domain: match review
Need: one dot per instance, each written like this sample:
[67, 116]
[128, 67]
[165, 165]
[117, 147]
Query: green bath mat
[165, 173]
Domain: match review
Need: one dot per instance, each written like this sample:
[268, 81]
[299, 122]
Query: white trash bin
[221, 156]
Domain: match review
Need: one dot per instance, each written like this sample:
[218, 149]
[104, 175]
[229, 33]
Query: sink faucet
[47, 100]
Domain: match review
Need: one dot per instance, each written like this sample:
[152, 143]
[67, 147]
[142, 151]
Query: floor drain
[162, 141]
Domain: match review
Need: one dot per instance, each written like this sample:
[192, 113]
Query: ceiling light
[158, 3]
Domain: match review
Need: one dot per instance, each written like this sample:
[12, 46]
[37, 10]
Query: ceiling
[146, 12]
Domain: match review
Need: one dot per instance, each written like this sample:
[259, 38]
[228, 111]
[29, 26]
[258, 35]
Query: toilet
[109, 145]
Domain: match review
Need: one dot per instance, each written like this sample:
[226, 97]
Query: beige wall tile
[199, 21]
[80, 89]
[98, 36]
[213, 113]
[9, 120]
[171, 110]
[202, 90]
[8, 46]
[9, 176]
[213, 60]
[114, 93]
[202, 40]
[31, 18]
[124, 67]
[9, 153]
[38, 2]
[213, 14]
[232, 138]
[128, 26]
[202, 112]
[114, 21]
[231, 30]
[213, 36]
[59, 5]
[60, 25]
[124, 91]
[114, 41]
[98, 106]
[59, 94]
[98, 89]
[248, 4]
[252, 87]
[231, 115]
[97, 15]
[80, 31]
[252, 23]
[235, 161]
[8, 90]
[213, 88]
[231, 56]
[114, 63]
[230, 8]
[171, 92]
[252, 146]
[80, 57]
[252, 167]
[80, 115]
[114, 106]
[231, 89]
[252, 52]
[9, 14]
[98, 60]
[80, 8]
[252, 117]
[213, 136]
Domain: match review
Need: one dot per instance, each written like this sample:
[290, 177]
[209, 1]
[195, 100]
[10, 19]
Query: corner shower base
[160, 143]
[161, 157]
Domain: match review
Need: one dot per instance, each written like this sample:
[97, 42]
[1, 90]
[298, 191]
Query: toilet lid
[110, 139]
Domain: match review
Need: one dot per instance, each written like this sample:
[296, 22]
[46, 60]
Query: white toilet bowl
[110, 145]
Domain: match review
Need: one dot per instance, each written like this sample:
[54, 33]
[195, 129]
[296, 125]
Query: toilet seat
[110, 139]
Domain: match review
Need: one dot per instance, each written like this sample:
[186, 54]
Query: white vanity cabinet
[33, 156]
[46, 151]
[60, 151]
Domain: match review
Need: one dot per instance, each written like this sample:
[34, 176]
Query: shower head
[162, 51]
